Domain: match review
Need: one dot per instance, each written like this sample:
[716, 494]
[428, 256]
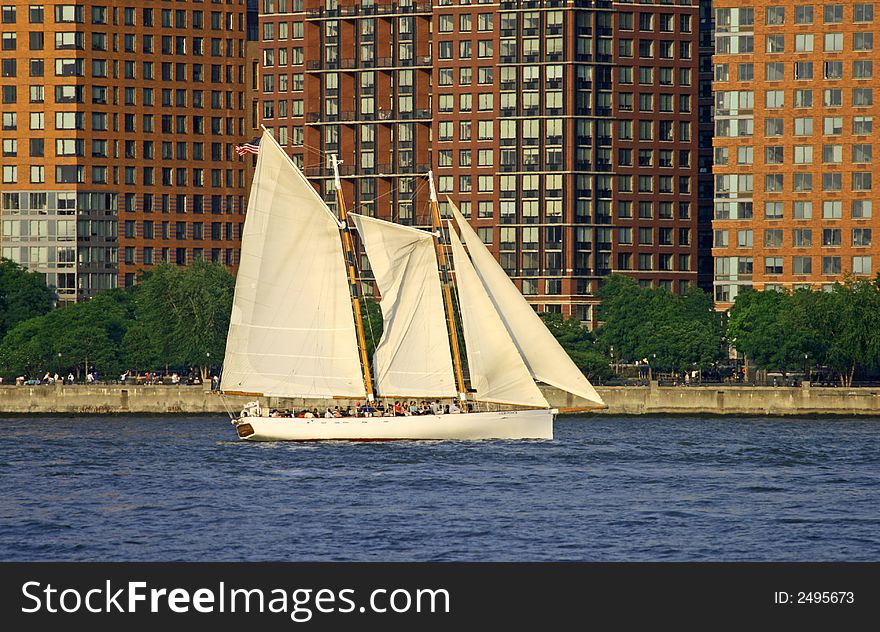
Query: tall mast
[447, 291]
[352, 279]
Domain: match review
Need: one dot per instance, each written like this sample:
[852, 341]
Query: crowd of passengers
[378, 409]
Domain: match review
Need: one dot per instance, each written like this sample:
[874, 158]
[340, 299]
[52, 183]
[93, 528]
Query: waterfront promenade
[621, 400]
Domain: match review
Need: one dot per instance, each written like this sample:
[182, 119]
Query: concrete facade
[621, 400]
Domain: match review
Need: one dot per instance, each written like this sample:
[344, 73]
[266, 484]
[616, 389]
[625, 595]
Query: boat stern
[244, 429]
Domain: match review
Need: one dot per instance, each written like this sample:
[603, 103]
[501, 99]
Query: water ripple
[607, 489]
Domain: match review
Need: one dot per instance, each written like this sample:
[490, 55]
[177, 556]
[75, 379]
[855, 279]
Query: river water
[139, 488]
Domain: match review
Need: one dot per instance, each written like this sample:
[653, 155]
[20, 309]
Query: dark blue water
[182, 488]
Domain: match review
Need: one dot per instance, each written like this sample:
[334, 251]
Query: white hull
[510, 424]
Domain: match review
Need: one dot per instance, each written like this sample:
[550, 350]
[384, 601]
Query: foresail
[292, 329]
[412, 357]
[497, 371]
[546, 359]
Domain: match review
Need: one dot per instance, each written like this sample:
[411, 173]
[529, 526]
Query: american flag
[252, 147]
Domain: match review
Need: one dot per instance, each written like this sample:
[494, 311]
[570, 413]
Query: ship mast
[447, 291]
[352, 279]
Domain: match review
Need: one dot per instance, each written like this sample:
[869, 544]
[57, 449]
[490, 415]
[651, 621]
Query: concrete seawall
[629, 400]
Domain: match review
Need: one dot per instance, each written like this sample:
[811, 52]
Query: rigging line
[363, 297]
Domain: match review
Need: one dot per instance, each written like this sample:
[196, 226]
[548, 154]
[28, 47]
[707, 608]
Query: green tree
[675, 332]
[148, 344]
[371, 317]
[181, 317]
[853, 340]
[80, 337]
[23, 295]
[580, 345]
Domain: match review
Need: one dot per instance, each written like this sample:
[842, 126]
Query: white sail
[292, 330]
[546, 359]
[412, 358]
[497, 371]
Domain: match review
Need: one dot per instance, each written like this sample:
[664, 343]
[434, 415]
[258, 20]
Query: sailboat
[296, 330]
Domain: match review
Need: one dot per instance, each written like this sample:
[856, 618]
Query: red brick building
[794, 167]
[568, 132]
[118, 128]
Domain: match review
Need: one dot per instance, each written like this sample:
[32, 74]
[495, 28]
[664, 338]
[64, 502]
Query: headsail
[292, 330]
[497, 371]
[412, 358]
[546, 359]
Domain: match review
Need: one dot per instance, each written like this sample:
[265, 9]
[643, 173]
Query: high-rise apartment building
[118, 127]
[567, 131]
[794, 169]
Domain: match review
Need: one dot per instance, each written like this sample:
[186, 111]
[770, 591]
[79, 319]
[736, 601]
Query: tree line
[174, 318]
[178, 318]
[836, 331]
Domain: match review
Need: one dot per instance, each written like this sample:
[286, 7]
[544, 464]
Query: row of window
[800, 154]
[102, 68]
[645, 236]
[101, 148]
[803, 14]
[178, 256]
[282, 31]
[732, 268]
[735, 185]
[215, 231]
[102, 174]
[665, 76]
[803, 126]
[800, 209]
[179, 97]
[665, 49]
[646, 22]
[485, 48]
[800, 237]
[646, 262]
[833, 42]
[801, 71]
[101, 122]
[168, 18]
[861, 209]
[75, 40]
[485, 21]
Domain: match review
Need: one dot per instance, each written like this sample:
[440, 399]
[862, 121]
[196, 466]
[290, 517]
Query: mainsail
[412, 358]
[497, 371]
[546, 359]
[292, 330]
